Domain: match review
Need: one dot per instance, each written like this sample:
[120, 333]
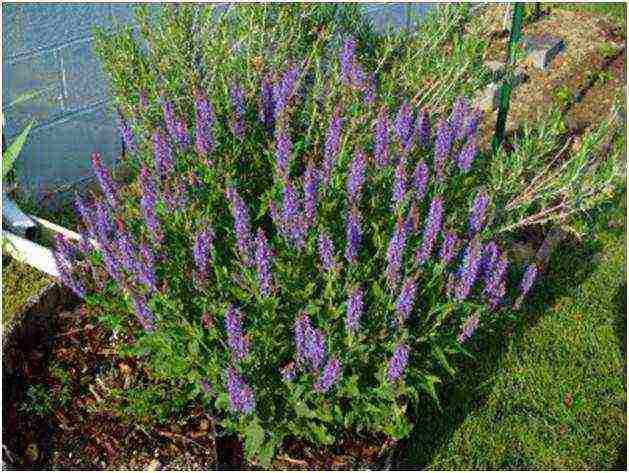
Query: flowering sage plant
[306, 279]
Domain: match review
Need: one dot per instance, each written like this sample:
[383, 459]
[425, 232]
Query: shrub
[301, 256]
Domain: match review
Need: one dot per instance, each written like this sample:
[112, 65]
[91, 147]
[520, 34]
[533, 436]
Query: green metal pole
[505, 90]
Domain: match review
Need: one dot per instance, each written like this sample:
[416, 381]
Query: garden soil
[66, 423]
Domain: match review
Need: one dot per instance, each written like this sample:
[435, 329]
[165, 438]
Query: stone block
[488, 99]
[541, 50]
[497, 70]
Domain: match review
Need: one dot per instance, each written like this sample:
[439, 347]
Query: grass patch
[547, 392]
[19, 283]
[617, 12]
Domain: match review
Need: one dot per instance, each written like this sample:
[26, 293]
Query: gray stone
[497, 69]
[488, 99]
[541, 50]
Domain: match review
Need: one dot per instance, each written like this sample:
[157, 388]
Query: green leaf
[13, 151]
[441, 357]
[429, 386]
[302, 410]
[24, 97]
[222, 401]
[320, 434]
[254, 437]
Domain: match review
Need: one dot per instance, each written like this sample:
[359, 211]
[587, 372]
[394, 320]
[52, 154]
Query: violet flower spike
[347, 58]
[148, 204]
[422, 129]
[242, 225]
[473, 121]
[443, 146]
[204, 141]
[448, 248]
[201, 252]
[354, 235]
[496, 278]
[331, 374]
[459, 116]
[146, 270]
[238, 103]
[332, 146]
[469, 270]
[399, 184]
[420, 180]
[241, 396]
[395, 252]
[181, 132]
[381, 146]
[528, 279]
[432, 228]
[477, 216]
[356, 176]
[467, 155]
[283, 152]
[326, 251]
[164, 162]
[285, 90]
[268, 105]
[355, 308]
[63, 255]
[236, 339]
[309, 342]
[105, 180]
[127, 135]
[311, 183]
[169, 117]
[404, 127]
[263, 263]
[405, 301]
[398, 363]
[469, 327]
[145, 316]
[292, 226]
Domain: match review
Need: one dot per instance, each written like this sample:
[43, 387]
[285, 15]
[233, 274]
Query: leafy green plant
[10, 154]
[270, 256]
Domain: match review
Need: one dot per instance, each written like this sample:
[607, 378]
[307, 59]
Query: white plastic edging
[32, 254]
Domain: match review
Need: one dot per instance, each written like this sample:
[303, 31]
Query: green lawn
[549, 391]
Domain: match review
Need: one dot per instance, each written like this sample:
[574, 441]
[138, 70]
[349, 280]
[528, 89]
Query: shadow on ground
[570, 265]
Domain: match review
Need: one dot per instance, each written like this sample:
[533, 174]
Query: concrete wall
[48, 48]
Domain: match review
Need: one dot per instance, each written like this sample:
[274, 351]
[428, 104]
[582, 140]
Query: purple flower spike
[267, 114]
[146, 270]
[164, 162]
[310, 343]
[347, 59]
[398, 363]
[472, 124]
[148, 204]
[205, 123]
[241, 397]
[467, 155]
[332, 146]
[354, 235]
[169, 117]
[236, 339]
[356, 176]
[459, 116]
[469, 270]
[63, 255]
[432, 228]
[420, 180]
[448, 248]
[404, 127]
[405, 301]
[106, 182]
[331, 374]
[86, 217]
[381, 147]
[293, 224]
[238, 102]
[311, 183]
[242, 225]
[477, 216]
[496, 279]
[283, 152]
[285, 90]
[443, 146]
[289, 371]
[181, 132]
[469, 327]
[399, 184]
[127, 135]
[263, 263]
[201, 252]
[528, 279]
[326, 251]
[354, 310]
[145, 316]
[423, 129]
[395, 252]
